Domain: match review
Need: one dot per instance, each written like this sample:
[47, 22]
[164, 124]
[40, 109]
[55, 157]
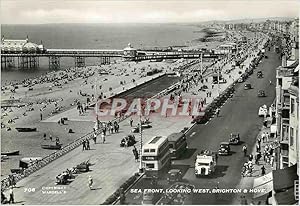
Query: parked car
[240, 80]
[129, 140]
[262, 111]
[137, 128]
[247, 86]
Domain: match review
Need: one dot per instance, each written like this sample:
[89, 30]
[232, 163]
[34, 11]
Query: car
[137, 128]
[234, 139]
[200, 119]
[259, 74]
[224, 148]
[240, 80]
[261, 93]
[262, 111]
[130, 140]
[174, 175]
[247, 86]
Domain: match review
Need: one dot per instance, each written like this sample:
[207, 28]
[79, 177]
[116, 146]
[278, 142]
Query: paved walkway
[247, 182]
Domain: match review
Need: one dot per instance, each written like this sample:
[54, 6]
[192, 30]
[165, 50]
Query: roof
[155, 142]
[129, 47]
[285, 178]
[175, 136]
[293, 65]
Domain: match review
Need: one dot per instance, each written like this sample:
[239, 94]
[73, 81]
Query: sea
[94, 36]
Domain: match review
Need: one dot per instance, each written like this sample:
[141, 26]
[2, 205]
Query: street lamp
[141, 146]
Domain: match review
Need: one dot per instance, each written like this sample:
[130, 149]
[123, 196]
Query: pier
[25, 54]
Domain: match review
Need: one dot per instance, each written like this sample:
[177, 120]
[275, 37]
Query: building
[20, 46]
[130, 52]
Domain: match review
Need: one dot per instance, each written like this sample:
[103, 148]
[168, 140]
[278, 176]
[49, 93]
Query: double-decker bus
[156, 156]
[177, 144]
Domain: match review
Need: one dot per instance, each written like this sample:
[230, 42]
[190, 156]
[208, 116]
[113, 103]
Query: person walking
[218, 112]
[263, 170]
[245, 150]
[131, 122]
[41, 116]
[103, 138]
[87, 144]
[83, 145]
[11, 196]
[95, 138]
[90, 182]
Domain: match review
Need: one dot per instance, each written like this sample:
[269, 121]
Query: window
[149, 165]
[146, 150]
[291, 136]
[292, 105]
[152, 150]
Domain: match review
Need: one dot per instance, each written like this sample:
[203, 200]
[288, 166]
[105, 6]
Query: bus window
[152, 150]
[146, 150]
[150, 166]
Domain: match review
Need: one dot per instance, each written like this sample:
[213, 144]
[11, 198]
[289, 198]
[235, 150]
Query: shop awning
[284, 178]
[263, 185]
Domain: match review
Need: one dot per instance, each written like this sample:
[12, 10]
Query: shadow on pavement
[187, 154]
[220, 171]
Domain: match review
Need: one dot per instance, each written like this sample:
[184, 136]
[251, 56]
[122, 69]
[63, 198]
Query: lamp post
[201, 65]
[141, 146]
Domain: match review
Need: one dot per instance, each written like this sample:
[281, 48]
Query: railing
[5, 183]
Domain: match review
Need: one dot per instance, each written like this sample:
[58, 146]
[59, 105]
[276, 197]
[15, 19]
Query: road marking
[193, 134]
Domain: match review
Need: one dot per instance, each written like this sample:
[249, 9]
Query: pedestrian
[50, 137]
[257, 147]
[257, 158]
[87, 144]
[263, 170]
[263, 137]
[95, 137]
[267, 136]
[259, 140]
[131, 122]
[103, 138]
[272, 161]
[218, 112]
[11, 196]
[250, 157]
[41, 115]
[83, 145]
[245, 150]
[90, 182]
[45, 136]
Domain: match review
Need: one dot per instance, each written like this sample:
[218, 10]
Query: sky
[141, 11]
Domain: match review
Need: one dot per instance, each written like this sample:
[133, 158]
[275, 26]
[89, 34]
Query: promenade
[111, 164]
